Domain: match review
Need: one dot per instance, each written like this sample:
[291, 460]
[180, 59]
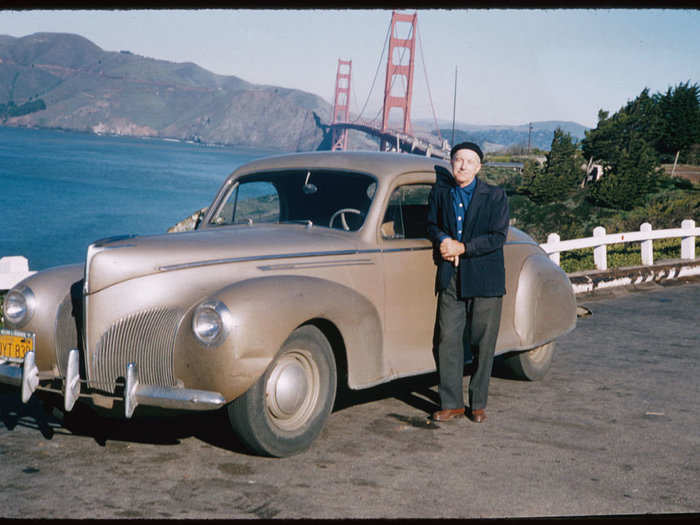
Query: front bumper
[26, 376]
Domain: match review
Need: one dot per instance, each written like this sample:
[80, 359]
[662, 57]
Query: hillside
[494, 138]
[85, 88]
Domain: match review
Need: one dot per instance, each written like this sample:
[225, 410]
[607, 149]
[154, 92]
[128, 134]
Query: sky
[513, 66]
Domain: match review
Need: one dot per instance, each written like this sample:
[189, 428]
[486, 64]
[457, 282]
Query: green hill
[85, 88]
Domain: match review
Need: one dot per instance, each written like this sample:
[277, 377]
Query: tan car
[306, 270]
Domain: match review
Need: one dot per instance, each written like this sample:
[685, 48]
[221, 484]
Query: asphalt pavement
[613, 429]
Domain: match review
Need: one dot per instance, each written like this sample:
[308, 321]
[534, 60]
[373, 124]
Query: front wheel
[285, 410]
[531, 365]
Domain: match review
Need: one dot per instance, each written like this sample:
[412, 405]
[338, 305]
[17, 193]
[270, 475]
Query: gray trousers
[480, 317]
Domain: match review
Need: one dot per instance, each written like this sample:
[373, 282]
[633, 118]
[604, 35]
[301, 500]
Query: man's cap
[467, 145]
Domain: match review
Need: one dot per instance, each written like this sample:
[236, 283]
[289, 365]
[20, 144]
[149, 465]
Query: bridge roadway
[398, 141]
[613, 429]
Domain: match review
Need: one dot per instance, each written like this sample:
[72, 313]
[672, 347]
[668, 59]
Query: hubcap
[292, 389]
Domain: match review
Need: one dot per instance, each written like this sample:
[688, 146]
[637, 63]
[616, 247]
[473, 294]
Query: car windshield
[334, 199]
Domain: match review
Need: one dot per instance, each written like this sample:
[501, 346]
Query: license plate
[15, 344]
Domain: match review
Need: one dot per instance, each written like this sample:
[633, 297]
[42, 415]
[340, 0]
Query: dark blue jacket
[481, 268]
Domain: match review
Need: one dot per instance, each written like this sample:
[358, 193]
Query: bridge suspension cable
[376, 74]
[425, 73]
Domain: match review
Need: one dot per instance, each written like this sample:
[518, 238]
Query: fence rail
[646, 235]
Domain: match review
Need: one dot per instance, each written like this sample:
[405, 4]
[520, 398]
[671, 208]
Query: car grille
[69, 320]
[66, 334]
[145, 338]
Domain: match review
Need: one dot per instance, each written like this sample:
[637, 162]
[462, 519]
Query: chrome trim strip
[329, 264]
[531, 243]
[250, 258]
[408, 249]
[261, 258]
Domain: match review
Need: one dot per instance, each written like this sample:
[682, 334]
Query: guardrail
[687, 232]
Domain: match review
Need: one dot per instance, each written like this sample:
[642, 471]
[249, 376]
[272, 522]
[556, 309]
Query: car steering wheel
[342, 213]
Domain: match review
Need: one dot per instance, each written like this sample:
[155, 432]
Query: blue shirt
[461, 197]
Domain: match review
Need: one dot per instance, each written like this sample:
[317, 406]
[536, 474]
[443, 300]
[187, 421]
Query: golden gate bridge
[398, 92]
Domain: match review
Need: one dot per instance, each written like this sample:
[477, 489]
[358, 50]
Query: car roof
[378, 163]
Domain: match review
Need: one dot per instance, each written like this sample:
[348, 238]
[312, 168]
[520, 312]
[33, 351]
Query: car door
[409, 280]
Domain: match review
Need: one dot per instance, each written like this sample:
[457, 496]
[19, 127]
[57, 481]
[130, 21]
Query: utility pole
[529, 133]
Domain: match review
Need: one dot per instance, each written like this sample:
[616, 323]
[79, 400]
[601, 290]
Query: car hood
[111, 261]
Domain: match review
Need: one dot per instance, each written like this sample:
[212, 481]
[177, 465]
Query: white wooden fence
[687, 232]
[12, 270]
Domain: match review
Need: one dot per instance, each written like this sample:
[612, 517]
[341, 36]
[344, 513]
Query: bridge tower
[341, 105]
[399, 71]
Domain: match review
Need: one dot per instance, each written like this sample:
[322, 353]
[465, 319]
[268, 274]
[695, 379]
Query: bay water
[61, 191]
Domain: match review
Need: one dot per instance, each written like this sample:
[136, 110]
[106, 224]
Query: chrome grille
[66, 333]
[69, 319]
[145, 338]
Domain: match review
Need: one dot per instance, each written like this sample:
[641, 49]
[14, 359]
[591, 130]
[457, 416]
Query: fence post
[647, 246]
[600, 254]
[688, 243]
[553, 239]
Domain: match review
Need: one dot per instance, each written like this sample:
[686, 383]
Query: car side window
[251, 203]
[406, 215]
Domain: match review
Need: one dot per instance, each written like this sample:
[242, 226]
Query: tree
[640, 117]
[629, 177]
[679, 109]
[560, 175]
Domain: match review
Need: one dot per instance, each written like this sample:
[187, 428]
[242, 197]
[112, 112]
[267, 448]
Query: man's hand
[450, 250]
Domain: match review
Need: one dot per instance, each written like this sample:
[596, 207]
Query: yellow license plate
[15, 344]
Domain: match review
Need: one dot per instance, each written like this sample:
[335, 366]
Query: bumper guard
[135, 393]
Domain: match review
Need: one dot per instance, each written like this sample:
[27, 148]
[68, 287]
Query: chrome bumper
[135, 393]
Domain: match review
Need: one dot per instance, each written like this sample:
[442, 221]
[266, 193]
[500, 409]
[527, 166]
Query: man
[468, 224]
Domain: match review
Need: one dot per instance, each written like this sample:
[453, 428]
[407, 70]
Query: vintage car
[307, 270]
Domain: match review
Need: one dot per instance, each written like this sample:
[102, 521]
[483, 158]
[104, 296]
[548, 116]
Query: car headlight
[19, 306]
[211, 322]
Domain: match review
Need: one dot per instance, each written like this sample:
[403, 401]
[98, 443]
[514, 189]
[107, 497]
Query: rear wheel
[285, 410]
[531, 365]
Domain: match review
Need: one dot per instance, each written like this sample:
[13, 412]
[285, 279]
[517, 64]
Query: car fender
[55, 322]
[545, 304]
[264, 312]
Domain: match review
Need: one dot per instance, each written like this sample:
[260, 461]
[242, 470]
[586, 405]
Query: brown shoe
[478, 415]
[446, 415]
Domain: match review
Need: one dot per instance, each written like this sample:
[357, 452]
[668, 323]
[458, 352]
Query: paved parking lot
[613, 429]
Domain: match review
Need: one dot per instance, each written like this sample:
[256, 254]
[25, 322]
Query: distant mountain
[85, 88]
[495, 137]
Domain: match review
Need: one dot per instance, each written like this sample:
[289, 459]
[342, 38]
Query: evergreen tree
[679, 108]
[629, 177]
[560, 175]
[641, 117]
